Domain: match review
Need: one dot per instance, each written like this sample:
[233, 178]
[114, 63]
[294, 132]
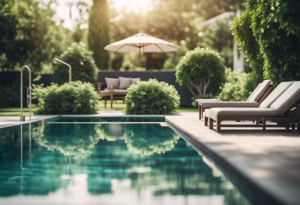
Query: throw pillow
[112, 81]
[135, 80]
[124, 82]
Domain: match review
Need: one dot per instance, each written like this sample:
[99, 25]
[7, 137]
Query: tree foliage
[98, 36]
[28, 34]
[82, 62]
[198, 69]
[173, 20]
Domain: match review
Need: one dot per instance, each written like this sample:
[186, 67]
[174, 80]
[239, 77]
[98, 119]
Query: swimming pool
[106, 161]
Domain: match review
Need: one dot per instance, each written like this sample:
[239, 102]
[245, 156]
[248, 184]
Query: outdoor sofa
[254, 100]
[276, 108]
[116, 88]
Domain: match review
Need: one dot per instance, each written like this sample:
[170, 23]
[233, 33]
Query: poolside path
[270, 159]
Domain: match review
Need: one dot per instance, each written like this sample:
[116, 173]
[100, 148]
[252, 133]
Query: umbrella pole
[140, 56]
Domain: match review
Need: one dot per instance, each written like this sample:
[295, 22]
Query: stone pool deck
[269, 159]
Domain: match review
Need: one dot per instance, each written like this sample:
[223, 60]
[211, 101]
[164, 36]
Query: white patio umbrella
[142, 43]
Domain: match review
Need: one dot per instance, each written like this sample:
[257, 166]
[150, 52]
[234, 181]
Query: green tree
[29, 35]
[198, 69]
[82, 62]
[98, 36]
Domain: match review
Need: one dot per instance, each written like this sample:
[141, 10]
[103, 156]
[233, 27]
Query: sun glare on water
[137, 6]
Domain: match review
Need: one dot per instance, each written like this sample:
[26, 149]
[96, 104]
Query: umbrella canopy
[142, 43]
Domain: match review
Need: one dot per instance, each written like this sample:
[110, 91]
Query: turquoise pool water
[110, 163]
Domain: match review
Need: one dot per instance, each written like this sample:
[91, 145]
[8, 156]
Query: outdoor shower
[70, 68]
[22, 118]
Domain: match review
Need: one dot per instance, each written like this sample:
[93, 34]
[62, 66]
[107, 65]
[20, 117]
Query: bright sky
[63, 8]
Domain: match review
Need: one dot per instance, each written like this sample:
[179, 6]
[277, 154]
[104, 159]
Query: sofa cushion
[135, 80]
[115, 91]
[124, 82]
[112, 81]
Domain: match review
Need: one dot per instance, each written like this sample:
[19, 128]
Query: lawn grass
[117, 105]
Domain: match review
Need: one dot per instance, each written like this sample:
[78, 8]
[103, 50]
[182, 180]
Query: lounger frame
[286, 119]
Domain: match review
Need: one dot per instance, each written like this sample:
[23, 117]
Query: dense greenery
[29, 35]
[98, 36]
[151, 97]
[70, 98]
[82, 62]
[200, 68]
[9, 97]
[275, 39]
[236, 87]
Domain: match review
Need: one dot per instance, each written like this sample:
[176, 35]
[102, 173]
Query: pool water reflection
[106, 164]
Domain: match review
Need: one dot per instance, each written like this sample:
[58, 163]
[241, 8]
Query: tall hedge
[244, 37]
[98, 36]
[82, 63]
[276, 29]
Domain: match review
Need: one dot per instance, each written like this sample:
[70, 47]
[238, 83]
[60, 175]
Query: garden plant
[69, 98]
[151, 97]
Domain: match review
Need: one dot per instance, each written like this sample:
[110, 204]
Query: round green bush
[82, 63]
[69, 98]
[151, 97]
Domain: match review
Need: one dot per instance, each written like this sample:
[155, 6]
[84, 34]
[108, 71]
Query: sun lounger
[254, 100]
[274, 108]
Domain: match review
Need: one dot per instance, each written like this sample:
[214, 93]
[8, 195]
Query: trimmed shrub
[82, 62]
[151, 97]
[200, 69]
[235, 89]
[69, 98]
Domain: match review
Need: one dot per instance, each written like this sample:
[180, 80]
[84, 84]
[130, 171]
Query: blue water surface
[94, 163]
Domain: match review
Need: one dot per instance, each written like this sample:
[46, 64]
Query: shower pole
[22, 118]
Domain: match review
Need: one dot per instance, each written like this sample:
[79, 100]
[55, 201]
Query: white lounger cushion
[275, 94]
[207, 105]
[114, 90]
[206, 100]
[285, 101]
[253, 92]
[243, 112]
[258, 93]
